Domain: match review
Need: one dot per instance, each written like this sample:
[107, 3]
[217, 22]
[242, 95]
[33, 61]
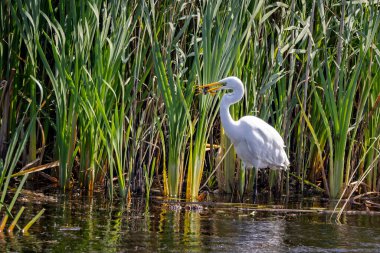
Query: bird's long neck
[229, 124]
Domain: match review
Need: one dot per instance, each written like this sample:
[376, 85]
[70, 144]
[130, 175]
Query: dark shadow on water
[80, 224]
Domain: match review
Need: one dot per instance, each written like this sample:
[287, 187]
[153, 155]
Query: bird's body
[256, 142]
[258, 148]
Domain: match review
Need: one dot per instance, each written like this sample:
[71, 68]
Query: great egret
[256, 142]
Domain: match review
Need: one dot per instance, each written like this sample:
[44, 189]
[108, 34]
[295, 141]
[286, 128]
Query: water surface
[81, 224]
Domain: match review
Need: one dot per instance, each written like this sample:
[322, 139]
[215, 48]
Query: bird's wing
[264, 142]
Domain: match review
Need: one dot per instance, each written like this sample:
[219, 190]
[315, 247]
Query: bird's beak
[211, 88]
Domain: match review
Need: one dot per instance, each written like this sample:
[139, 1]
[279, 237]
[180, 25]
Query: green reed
[340, 102]
[219, 45]
[17, 144]
[115, 80]
[176, 96]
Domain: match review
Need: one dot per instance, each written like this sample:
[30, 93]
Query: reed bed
[107, 89]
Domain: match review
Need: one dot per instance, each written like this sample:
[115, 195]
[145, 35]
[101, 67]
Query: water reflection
[95, 225]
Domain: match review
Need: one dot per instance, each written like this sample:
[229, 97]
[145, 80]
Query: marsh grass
[113, 84]
[221, 38]
[17, 144]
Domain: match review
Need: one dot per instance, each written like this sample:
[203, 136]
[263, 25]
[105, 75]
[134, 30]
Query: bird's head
[229, 83]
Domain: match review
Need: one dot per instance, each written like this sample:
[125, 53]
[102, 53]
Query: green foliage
[113, 83]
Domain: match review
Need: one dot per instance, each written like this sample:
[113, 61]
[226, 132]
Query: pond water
[81, 224]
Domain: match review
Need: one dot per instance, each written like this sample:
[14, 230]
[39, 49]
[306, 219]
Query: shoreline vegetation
[102, 94]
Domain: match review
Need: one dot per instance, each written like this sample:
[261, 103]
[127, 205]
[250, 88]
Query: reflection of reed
[192, 231]
[114, 226]
[90, 225]
[90, 221]
[179, 228]
[169, 226]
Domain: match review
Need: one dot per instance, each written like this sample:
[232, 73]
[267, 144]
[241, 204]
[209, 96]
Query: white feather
[256, 142]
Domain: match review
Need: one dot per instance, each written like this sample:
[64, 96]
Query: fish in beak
[211, 88]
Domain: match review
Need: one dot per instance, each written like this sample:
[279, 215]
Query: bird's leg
[255, 185]
[279, 184]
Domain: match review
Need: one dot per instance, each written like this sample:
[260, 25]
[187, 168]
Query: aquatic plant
[214, 59]
[113, 85]
[176, 95]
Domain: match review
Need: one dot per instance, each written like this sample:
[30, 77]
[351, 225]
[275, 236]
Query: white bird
[256, 142]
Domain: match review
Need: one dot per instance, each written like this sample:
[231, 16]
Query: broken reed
[115, 82]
